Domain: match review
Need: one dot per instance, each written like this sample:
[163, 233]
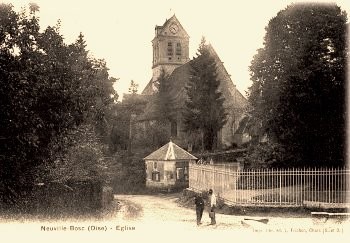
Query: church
[171, 54]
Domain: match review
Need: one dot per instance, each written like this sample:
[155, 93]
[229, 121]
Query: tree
[165, 110]
[204, 110]
[298, 91]
[49, 89]
[20, 125]
[80, 159]
[133, 87]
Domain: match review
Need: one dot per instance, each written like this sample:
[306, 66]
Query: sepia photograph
[174, 121]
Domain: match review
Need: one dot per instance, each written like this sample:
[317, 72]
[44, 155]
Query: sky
[121, 31]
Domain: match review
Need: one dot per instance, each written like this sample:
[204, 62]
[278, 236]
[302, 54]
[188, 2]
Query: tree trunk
[208, 139]
[202, 138]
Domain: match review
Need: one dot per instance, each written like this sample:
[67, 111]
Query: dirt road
[159, 218]
[163, 209]
[163, 213]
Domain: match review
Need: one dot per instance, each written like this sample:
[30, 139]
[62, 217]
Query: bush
[265, 155]
[80, 158]
[130, 176]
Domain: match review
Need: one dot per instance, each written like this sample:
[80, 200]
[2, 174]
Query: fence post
[318, 184]
[235, 182]
[312, 184]
[333, 184]
[280, 185]
[328, 186]
[296, 185]
[213, 177]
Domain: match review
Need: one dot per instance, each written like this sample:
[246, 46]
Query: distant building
[171, 54]
[167, 167]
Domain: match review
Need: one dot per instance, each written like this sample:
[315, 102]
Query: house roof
[170, 151]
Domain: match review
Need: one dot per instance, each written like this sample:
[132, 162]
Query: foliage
[204, 108]
[48, 89]
[265, 155]
[81, 159]
[128, 134]
[298, 91]
[132, 178]
[154, 136]
[165, 111]
[194, 140]
[133, 87]
[157, 131]
[119, 135]
[123, 122]
[152, 132]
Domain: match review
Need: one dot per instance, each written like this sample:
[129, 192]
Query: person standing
[212, 201]
[199, 202]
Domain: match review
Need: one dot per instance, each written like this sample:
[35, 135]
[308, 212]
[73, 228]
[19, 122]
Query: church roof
[148, 90]
[227, 87]
[170, 151]
[149, 112]
[171, 20]
[178, 80]
[135, 98]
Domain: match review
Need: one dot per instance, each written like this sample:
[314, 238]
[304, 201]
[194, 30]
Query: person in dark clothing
[199, 202]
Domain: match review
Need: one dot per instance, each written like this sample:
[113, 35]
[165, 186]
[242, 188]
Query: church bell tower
[170, 47]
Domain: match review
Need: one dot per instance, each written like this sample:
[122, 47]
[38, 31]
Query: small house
[167, 167]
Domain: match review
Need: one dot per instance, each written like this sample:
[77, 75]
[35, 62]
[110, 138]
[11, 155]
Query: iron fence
[283, 187]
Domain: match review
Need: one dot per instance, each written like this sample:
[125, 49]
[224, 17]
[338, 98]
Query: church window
[170, 49]
[178, 49]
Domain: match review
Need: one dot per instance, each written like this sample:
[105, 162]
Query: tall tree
[204, 110]
[48, 89]
[164, 102]
[298, 90]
